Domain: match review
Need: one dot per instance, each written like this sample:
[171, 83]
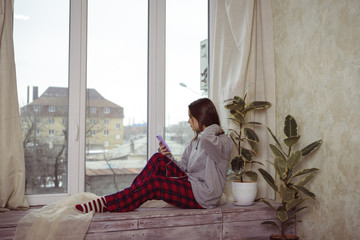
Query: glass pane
[186, 67]
[116, 116]
[41, 37]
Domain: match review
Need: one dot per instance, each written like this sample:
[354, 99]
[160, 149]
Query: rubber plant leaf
[268, 178]
[293, 203]
[272, 223]
[280, 167]
[311, 147]
[290, 141]
[275, 138]
[282, 215]
[305, 171]
[305, 180]
[276, 151]
[304, 190]
[290, 126]
[237, 164]
[246, 154]
[267, 203]
[286, 194]
[251, 135]
[252, 175]
[294, 159]
[292, 214]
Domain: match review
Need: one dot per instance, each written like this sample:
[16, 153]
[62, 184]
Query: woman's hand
[162, 149]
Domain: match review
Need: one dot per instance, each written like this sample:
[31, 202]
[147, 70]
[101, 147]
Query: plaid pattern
[161, 179]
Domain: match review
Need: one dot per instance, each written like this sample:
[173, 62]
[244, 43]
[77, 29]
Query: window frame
[77, 91]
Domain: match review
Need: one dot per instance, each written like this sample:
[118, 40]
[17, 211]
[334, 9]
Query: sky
[117, 51]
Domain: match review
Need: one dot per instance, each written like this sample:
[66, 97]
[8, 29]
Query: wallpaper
[317, 69]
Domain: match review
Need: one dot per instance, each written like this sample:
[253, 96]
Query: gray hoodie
[205, 161]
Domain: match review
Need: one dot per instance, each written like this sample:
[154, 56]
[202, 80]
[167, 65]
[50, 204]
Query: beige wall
[317, 64]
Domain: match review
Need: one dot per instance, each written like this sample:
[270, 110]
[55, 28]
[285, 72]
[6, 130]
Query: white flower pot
[244, 193]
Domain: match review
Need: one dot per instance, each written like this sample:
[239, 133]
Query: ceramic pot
[244, 192]
[287, 237]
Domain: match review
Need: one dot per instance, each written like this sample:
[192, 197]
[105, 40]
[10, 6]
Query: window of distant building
[92, 109]
[92, 122]
[51, 108]
[106, 121]
[92, 132]
[117, 136]
[51, 132]
[51, 120]
[106, 144]
[106, 132]
[107, 110]
[36, 108]
[118, 126]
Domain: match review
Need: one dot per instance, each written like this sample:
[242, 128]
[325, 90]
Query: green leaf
[277, 152]
[290, 126]
[305, 180]
[268, 178]
[253, 123]
[304, 190]
[267, 203]
[280, 167]
[286, 194]
[237, 115]
[272, 223]
[293, 203]
[257, 162]
[256, 105]
[311, 147]
[254, 147]
[237, 164]
[292, 214]
[246, 154]
[251, 135]
[290, 141]
[282, 214]
[294, 159]
[275, 138]
[305, 171]
[252, 175]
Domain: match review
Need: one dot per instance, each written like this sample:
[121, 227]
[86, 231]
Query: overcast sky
[117, 51]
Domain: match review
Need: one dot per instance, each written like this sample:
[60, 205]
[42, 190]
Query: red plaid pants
[161, 179]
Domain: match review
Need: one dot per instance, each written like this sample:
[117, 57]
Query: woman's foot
[97, 205]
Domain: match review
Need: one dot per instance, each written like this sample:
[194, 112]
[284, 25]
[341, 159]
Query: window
[187, 85]
[99, 79]
[41, 43]
[51, 108]
[51, 132]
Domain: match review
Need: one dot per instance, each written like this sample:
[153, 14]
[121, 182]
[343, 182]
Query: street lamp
[185, 86]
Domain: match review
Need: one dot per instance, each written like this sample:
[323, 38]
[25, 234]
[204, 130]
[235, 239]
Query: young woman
[196, 181]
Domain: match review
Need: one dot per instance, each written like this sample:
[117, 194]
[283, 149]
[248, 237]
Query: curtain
[12, 166]
[242, 57]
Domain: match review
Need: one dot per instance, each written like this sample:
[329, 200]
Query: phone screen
[160, 138]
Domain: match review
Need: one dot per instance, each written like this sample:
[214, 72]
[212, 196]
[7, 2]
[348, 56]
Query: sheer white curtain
[242, 56]
[12, 166]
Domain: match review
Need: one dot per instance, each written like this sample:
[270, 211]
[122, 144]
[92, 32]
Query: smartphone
[160, 138]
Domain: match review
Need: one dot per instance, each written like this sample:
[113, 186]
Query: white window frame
[77, 92]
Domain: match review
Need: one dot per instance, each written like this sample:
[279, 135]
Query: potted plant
[244, 186]
[290, 184]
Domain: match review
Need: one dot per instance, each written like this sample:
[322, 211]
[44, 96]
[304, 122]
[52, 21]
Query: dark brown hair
[204, 111]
